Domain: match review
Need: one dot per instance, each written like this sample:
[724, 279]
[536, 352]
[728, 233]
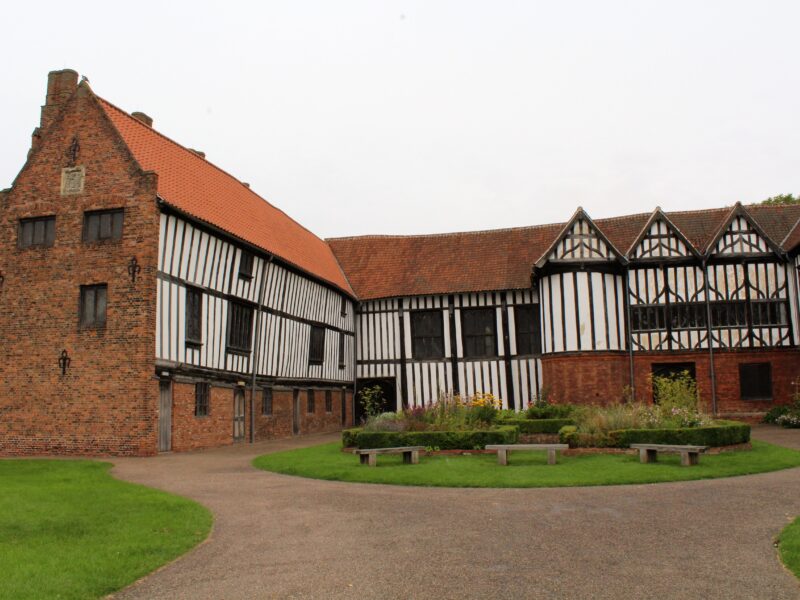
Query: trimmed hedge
[444, 440]
[536, 425]
[349, 437]
[549, 411]
[721, 433]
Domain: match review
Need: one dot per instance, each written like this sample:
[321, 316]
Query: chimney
[140, 116]
[198, 152]
[60, 86]
[245, 184]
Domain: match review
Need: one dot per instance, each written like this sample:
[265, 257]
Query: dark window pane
[526, 324]
[100, 307]
[328, 401]
[103, 225]
[246, 265]
[755, 381]
[40, 232]
[266, 401]
[311, 401]
[93, 305]
[201, 399]
[116, 228]
[316, 345]
[240, 325]
[341, 350]
[194, 315]
[479, 335]
[648, 318]
[427, 333]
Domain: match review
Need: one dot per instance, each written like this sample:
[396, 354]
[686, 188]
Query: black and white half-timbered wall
[185, 311]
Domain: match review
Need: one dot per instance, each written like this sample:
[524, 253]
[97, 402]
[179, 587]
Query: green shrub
[349, 437]
[774, 413]
[529, 426]
[549, 411]
[445, 440]
[720, 433]
[565, 432]
[678, 390]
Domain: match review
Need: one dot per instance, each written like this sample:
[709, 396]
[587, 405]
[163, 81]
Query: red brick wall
[107, 401]
[190, 432]
[585, 377]
[785, 370]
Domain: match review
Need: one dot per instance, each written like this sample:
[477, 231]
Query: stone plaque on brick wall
[72, 180]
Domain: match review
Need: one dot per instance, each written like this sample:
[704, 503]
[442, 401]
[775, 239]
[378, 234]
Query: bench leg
[407, 458]
[551, 456]
[647, 455]
[373, 460]
[415, 457]
[363, 458]
[502, 457]
[689, 458]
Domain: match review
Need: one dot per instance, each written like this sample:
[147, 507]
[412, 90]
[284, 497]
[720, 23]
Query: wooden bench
[369, 456]
[690, 455]
[504, 449]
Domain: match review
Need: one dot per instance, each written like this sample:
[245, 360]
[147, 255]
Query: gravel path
[286, 537]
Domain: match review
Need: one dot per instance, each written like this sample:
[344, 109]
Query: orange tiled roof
[389, 266]
[197, 187]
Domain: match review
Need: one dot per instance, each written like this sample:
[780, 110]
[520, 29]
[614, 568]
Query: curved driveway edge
[277, 536]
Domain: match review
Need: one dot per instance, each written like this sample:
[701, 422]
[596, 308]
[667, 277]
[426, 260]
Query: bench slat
[669, 447]
[527, 446]
[397, 450]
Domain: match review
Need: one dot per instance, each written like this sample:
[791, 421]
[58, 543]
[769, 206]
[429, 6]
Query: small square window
[37, 233]
[103, 225]
[201, 394]
[94, 302]
[755, 381]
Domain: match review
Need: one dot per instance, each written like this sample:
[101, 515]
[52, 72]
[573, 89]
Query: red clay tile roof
[389, 266]
[197, 187]
[792, 240]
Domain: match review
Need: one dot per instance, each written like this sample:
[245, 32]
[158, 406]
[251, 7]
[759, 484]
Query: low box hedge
[444, 440]
[349, 437]
[721, 433]
[536, 425]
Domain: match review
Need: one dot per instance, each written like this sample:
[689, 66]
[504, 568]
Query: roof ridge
[208, 162]
[446, 234]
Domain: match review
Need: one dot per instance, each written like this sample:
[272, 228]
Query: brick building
[149, 301]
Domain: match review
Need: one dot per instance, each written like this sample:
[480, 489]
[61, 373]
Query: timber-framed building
[150, 301]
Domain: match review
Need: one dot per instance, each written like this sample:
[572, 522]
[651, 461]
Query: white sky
[414, 117]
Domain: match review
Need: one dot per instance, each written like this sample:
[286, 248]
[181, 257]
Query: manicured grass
[70, 530]
[526, 469]
[789, 546]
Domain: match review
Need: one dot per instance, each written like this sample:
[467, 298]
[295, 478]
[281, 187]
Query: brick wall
[190, 432]
[107, 401]
[585, 377]
[785, 371]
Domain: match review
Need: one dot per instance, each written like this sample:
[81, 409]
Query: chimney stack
[198, 152]
[140, 116]
[60, 86]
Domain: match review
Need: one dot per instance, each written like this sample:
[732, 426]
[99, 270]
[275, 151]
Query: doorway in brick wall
[670, 370]
[164, 416]
[238, 415]
[295, 412]
[388, 387]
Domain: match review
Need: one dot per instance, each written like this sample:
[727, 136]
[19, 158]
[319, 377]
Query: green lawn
[70, 530]
[789, 545]
[526, 469]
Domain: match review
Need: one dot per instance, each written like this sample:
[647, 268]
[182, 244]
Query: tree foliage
[782, 199]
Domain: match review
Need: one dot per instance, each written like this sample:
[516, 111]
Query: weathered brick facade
[585, 377]
[106, 401]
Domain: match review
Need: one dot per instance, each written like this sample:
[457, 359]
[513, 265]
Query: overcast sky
[414, 117]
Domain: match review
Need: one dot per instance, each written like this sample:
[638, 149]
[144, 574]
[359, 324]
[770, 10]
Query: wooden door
[344, 408]
[238, 415]
[165, 416]
[296, 412]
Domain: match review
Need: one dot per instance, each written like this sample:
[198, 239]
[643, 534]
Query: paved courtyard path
[277, 536]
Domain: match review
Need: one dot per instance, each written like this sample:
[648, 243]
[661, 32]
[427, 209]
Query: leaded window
[37, 233]
[201, 396]
[246, 265]
[266, 401]
[194, 316]
[427, 334]
[769, 313]
[755, 381]
[479, 332]
[648, 318]
[688, 315]
[103, 225]
[729, 314]
[316, 345]
[94, 302]
[527, 329]
[240, 327]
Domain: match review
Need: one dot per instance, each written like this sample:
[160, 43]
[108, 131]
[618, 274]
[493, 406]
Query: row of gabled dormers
[660, 240]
